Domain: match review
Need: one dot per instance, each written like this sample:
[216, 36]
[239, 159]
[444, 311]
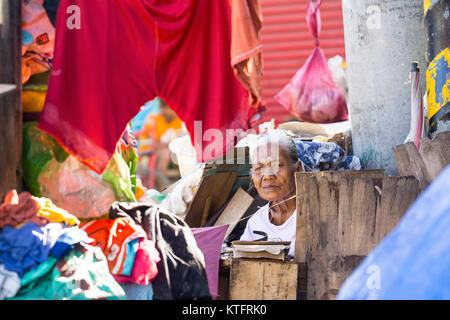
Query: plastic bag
[34, 92]
[312, 95]
[52, 173]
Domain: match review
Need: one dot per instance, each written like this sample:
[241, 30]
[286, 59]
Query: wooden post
[10, 100]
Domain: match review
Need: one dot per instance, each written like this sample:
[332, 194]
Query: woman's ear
[299, 167]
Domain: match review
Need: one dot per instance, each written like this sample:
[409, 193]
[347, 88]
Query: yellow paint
[434, 93]
[426, 5]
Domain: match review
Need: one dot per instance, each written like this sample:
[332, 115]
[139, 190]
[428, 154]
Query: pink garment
[144, 267]
[113, 56]
[210, 240]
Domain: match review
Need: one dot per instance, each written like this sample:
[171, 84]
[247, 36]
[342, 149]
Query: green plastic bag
[39, 149]
[51, 172]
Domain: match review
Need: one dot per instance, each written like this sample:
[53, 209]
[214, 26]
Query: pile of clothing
[141, 252]
[44, 255]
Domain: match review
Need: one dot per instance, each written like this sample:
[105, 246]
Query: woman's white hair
[277, 142]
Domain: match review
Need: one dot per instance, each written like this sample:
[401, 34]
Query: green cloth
[81, 275]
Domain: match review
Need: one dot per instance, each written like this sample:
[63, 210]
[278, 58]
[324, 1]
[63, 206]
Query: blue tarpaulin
[413, 261]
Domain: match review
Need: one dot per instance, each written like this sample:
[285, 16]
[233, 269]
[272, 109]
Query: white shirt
[260, 222]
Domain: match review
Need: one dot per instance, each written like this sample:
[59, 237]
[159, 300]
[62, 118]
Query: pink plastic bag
[312, 95]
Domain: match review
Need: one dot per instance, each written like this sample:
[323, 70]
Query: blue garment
[25, 248]
[413, 261]
[138, 292]
[67, 240]
[132, 248]
[323, 156]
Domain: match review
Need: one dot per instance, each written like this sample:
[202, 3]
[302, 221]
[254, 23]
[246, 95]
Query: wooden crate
[341, 217]
[260, 279]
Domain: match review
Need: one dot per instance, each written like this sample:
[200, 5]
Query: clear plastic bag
[52, 173]
[312, 95]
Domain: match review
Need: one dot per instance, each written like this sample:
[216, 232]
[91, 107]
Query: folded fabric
[145, 265]
[9, 283]
[19, 209]
[25, 248]
[113, 236]
[82, 275]
[48, 210]
[68, 239]
[323, 156]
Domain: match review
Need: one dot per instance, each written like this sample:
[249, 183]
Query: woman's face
[273, 174]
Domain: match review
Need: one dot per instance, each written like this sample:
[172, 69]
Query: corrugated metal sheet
[287, 43]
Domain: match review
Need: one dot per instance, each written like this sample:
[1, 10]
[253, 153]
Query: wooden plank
[206, 211]
[397, 196]
[345, 215]
[426, 164]
[218, 187]
[302, 194]
[306, 192]
[235, 209]
[365, 200]
[443, 141]
[418, 165]
[401, 157]
[11, 104]
[255, 279]
[433, 158]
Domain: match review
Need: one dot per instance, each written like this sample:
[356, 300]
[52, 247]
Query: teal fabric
[132, 248]
[82, 275]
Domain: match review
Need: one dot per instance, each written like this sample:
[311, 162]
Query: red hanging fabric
[113, 56]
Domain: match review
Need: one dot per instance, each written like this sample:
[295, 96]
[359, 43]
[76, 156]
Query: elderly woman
[274, 163]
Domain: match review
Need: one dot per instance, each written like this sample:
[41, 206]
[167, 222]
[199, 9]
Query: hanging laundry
[113, 237]
[19, 209]
[181, 271]
[9, 283]
[246, 47]
[166, 51]
[82, 275]
[145, 265]
[25, 248]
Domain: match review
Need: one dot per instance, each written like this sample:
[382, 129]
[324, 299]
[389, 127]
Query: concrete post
[382, 38]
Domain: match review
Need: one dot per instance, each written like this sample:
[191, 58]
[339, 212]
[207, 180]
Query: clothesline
[269, 208]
